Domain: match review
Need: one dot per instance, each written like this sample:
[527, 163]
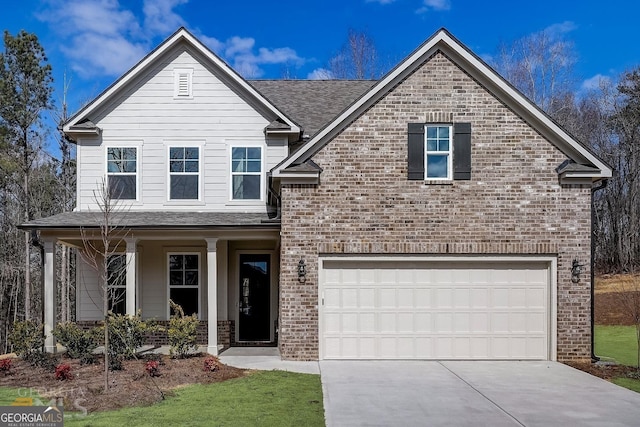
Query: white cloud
[381, 1]
[105, 38]
[159, 16]
[435, 5]
[560, 28]
[241, 53]
[320, 74]
[595, 82]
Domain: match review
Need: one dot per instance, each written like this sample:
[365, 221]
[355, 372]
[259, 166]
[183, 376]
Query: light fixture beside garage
[576, 271]
[302, 271]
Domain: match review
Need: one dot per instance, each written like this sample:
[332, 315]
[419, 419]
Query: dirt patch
[132, 386]
[609, 311]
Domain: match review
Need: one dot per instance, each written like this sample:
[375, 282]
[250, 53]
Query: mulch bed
[132, 386]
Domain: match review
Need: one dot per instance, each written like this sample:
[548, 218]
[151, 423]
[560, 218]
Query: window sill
[438, 182]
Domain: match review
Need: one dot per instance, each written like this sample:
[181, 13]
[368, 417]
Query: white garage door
[434, 310]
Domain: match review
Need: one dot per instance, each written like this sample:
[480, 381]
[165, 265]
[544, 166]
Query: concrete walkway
[421, 393]
[266, 359]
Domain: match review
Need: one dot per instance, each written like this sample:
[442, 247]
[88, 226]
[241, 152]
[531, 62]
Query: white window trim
[449, 176]
[231, 173]
[198, 287]
[183, 144]
[177, 73]
[125, 144]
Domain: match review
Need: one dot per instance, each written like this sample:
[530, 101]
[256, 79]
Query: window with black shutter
[439, 152]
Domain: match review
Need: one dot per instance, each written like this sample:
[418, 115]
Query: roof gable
[77, 124]
[458, 53]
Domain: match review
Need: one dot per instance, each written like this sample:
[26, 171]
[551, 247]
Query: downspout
[603, 184]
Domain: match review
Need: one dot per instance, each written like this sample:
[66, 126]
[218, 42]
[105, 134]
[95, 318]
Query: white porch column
[131, 276]
[212, 297]
[50, 300]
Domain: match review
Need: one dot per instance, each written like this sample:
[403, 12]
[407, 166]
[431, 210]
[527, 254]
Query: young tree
[25, 92]
[98, 252]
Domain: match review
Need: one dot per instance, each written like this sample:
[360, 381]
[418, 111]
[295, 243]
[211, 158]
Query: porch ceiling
[156, 220]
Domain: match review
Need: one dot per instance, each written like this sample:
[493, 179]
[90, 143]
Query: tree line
[37, 162]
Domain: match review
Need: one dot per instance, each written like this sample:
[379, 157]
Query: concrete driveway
[421, 393]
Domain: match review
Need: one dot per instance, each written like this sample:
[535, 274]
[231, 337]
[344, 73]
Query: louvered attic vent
[182, 83]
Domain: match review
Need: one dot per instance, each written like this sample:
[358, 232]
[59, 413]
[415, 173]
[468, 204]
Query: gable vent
[182, 83]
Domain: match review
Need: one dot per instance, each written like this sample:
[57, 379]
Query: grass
[617, 343]
[268, 398]
[629, 383]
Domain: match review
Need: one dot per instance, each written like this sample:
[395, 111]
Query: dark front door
[255, 294]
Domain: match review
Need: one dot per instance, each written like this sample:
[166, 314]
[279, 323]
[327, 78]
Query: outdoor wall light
[302, 271]
[576, 271]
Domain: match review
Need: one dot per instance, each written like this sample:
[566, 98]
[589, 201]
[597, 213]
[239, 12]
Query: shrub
[63, 372]
[27, 338]
[211, 364]
[80, 344]
[5, 365]
[182, 332]
[153, 368]
[126, 335]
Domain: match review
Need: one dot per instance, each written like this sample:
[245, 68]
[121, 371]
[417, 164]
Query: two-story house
[433, 214]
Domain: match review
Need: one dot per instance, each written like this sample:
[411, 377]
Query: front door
[255, 291]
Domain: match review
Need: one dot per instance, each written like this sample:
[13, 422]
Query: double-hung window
[117, 283]
[122, 167]
[438, 154]
[184, 173]
[246, 173]
[184, 281]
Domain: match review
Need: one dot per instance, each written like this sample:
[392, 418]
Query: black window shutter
[462, 151]
[416, 151]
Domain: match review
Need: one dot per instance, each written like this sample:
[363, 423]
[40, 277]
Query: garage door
[375, 309]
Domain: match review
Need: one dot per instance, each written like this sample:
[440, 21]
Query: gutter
[602, 186]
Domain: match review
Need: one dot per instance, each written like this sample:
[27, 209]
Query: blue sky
[95, 41]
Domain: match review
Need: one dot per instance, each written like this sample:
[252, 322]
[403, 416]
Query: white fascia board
[528, 109]
[390, 77]
[181, 34]
[476, 67]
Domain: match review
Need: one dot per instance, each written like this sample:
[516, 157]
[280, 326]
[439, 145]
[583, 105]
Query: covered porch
[222, 267]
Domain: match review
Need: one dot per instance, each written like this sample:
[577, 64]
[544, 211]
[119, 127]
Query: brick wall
[160, 337]
[364, 203]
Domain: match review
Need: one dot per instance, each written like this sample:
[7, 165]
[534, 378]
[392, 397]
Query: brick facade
[364, 204]
[160, 337]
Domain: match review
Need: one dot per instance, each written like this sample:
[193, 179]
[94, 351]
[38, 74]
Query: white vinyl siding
[216, 117]
[395, 309]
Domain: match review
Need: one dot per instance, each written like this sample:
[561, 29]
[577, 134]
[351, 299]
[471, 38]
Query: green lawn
[617, 343]
[268, 398]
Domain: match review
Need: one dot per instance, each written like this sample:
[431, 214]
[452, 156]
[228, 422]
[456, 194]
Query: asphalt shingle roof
[155, 220]
[312, 103]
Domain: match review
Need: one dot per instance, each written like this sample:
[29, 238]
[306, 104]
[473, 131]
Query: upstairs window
[182, 83]
[246, 173]
[122, 166]
[184, 173]
[439, 152]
